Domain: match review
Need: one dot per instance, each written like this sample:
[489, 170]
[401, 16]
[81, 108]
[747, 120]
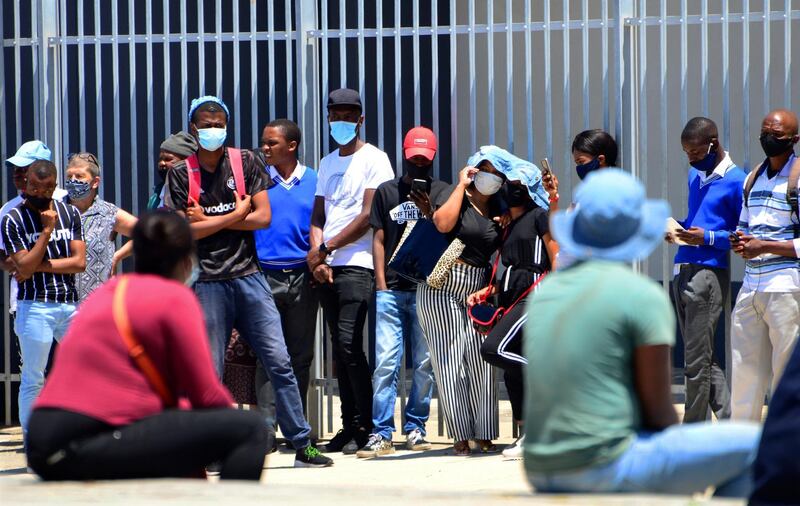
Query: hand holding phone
[546, 170]
[419, 185]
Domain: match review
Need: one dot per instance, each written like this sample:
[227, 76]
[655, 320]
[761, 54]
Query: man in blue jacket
[702, 276]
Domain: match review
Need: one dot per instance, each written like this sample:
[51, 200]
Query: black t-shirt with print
[480, 235]
[391, 210]
[226, 254]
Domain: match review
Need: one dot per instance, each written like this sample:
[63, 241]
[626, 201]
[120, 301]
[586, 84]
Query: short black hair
[699, 130]
[288, 128]
[208, 107]
[43, 169]
[161, 239]
[597, 142]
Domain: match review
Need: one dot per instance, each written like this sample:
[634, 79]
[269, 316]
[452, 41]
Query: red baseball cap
[420, 141]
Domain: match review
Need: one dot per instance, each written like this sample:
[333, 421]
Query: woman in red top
[100, 416]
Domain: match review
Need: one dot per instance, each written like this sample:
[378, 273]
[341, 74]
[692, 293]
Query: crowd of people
[482, 273]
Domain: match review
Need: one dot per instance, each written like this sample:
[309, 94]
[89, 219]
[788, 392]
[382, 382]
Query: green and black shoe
[311, 457]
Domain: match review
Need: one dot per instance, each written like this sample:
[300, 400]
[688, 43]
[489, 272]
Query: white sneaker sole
[300, 463]
[418, 447]
[372, 454]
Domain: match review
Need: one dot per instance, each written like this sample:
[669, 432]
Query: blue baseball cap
[29, 153]
[612, 219]
[204, 100]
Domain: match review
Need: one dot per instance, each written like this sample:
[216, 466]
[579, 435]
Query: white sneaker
[514, 452]
[416, 441]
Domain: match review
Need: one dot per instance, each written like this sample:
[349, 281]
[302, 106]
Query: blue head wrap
[515, 169]
[205, 99]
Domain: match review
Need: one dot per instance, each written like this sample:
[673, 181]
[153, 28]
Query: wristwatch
[324, 249]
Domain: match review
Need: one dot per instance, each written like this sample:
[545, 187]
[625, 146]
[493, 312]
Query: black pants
[63, 445]
[297, 302]
[345, 304]
[503, 348]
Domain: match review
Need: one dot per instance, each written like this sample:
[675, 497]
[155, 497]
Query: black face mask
[417, 172]
[162, 173]
[774, 146]
[515, 195]
[39, 203]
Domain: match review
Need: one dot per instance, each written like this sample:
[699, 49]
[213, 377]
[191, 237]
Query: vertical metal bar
[704, 57]
[288, 38]
[361, 64]
[343, 44]
[150, 116]
[490, 65]
[64, 77]
[766, 58]
[271, 61]
[453, 42]
[528, 81]
[684, 64]
[473, 117]
[218, 46]
[98, 92]
[325, 85]
[639, 168]
[379, 69]
[666, 263]
[184, 69]
[604, 58]
[565, 33]
[201, 46]
[548, 84]
[398, 97]
[746, 82]
[585, 61]
[81, 79]
[115, 86]
[509, 28]
[726, 86]
[36, 13]
[255, 134]
[237, 84]
[5, 279]
[435, 76]
[416, 56]
[167, 110]
[134, 155]
[787, 57]
[18, 76]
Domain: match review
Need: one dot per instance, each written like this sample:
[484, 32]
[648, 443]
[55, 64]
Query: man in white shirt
[19, 163]
[340, 258]
[766, 319]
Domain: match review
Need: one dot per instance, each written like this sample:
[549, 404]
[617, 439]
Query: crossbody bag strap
[135, 348]
[526, 292]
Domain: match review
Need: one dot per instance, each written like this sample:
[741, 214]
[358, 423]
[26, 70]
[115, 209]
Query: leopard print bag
[441, 271]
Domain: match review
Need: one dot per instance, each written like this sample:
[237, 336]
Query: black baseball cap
[344, 96]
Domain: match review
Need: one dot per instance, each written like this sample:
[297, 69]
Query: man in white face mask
[223, 194]
[340, 257]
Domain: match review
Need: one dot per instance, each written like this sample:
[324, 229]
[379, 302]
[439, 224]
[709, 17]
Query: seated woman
[528, 252]
[104, 414]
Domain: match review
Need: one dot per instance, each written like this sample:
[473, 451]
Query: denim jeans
[682, 459]
[246, 303]
[396, 322]
[36, 325]
[345, 304]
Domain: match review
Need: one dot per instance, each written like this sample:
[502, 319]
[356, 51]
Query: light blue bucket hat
[612, 219]
[515, 169]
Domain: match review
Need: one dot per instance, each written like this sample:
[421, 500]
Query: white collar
[295, 178]
[719, 171]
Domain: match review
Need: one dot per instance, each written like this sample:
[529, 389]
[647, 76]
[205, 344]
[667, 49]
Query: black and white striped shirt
[21, 227]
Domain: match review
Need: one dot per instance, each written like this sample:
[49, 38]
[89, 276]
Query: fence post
[47, 88]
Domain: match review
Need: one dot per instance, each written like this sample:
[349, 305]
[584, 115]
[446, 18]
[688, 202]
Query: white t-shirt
[60, 195]
[342, 181]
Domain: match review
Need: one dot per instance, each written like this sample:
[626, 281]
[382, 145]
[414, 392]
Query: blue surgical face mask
[211, 139]
[343, 132]
[586, 168]
[77, 189]
[708, 162]
[193, 275]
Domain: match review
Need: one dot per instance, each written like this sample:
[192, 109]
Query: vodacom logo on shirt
[220, 208]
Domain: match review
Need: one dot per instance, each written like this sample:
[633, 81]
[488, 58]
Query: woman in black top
[528, 253]
[467, 390]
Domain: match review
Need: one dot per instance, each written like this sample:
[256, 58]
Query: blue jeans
[36, 325]
[396, 321]
[682, 459]
[246, 303]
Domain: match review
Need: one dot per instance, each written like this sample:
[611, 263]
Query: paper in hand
[672, 228]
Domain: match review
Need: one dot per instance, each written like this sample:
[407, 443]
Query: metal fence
[115, 77]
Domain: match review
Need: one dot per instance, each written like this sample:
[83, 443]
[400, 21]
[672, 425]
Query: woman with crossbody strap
[136, 351]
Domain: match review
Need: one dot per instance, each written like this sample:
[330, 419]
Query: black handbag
[420, 249]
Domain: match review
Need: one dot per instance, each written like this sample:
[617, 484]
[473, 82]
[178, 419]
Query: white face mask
[487, 184]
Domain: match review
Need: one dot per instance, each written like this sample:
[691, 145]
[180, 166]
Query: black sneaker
[311, 457]
[339, 441]
[360, 439]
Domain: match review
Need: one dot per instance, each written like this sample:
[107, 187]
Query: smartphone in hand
[734, 237]
[419, 185]
[546, 170]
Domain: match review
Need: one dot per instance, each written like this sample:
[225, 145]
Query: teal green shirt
[583, 325]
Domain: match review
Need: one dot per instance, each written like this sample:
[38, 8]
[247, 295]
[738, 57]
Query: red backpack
[193, 168]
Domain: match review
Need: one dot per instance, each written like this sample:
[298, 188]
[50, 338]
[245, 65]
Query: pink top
[94, 375]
